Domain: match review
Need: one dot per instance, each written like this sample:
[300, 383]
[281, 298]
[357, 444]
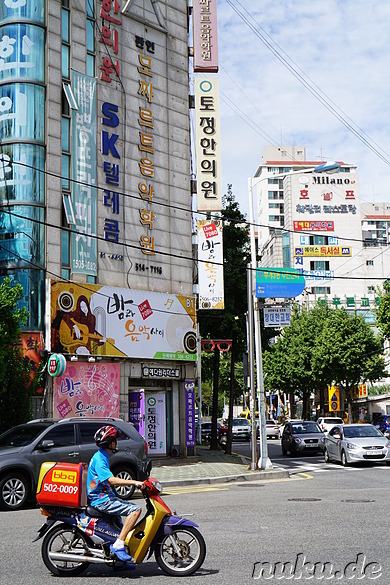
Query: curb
[252, 476]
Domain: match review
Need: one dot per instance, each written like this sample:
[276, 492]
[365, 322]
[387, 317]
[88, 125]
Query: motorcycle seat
[95, 513]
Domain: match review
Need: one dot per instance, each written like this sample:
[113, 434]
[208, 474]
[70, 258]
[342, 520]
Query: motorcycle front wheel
[182, 552]
[61, 539]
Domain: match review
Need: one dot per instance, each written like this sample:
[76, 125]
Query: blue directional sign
[279, 283]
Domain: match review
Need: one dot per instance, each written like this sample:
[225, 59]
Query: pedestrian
[100, 482]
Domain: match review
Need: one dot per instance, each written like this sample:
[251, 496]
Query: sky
[340, 47]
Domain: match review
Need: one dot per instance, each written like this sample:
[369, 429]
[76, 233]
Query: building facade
[95, 217]
[311, 220]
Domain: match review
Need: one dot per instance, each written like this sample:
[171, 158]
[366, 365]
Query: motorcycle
[73, 539]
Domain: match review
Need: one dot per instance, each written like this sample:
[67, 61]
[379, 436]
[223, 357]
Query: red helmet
[105, 435]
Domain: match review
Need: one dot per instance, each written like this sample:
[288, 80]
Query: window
[370, 263]
[320, 290]
[62, 435]
[319, 265]
[90, 38]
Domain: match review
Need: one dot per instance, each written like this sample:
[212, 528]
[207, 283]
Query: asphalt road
[339, 517]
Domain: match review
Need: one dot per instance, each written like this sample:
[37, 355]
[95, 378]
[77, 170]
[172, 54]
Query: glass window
[33, 283]
[62, 434]
[33, 10]
[65, 248]
[91, 65]
[90, 36]
[65, 273]
[65, 172]
[24, 173]
[65, 134]
[22, 235]
[22, 112]
[90, 8]
[65, 61]
[24, 57]
[65, 25]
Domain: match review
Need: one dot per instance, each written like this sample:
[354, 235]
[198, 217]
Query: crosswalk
[319, 466]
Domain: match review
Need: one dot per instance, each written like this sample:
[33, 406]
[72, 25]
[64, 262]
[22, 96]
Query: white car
[328, 422]
[356, 442]
[272, 429]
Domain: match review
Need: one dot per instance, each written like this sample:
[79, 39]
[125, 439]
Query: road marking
[192, 489]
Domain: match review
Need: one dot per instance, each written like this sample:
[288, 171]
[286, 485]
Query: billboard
[205, 36]
[310, 226]
[323, 251]
[87, 390]
[278, 283]
[101, 320]
[210, 265]
[208, 145]
[277, 317]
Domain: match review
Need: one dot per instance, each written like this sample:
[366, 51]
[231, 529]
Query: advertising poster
[190, 413]
[87, 390]
[155, 423]
[101, 320]
[137, 410]
[31, 344]
[210, 265]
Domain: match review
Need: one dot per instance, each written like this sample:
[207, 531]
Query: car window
[88, 429]
[22, 435]
[361, 431]
[62, 435]
[305, 428]
[333, 421]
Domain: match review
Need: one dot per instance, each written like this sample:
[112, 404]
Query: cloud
[341, 46]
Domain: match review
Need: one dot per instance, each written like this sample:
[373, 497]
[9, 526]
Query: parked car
[24, 448]
[328, 422]
[301, 436]
[272, 429]
[382, 422]
[206, 431]
[351, 443]
[241, 430]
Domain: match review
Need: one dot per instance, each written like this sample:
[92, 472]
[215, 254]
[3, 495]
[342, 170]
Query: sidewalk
[210, 467]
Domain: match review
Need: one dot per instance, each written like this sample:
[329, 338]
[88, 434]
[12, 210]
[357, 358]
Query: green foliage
[383, 311]
[15, 386]
[322, 347]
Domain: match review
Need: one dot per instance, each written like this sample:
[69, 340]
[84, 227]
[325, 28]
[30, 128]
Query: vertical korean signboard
[205, 36]
[155, 423]
[190, 413]
[84, 247]
[208, 145]
[210, 265]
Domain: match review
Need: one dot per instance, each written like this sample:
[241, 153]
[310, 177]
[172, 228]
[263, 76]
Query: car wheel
[344, 460]
[124, 492]
[14, 491]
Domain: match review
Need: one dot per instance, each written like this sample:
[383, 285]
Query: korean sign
[190, 413]
[205, 36]
[155, 423]
[87, 390]
[278, 283]
[84, 247]
[210, 265]
[276, 316]
[331, 251]
[102, 320]
[208, 145]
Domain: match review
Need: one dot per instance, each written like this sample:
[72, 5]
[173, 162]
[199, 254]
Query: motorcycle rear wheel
[192, 551]
[61, 539]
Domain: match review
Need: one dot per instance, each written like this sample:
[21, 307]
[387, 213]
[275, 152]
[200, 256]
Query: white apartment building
[312, 221]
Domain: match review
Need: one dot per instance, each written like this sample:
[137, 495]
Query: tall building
[310, 219]
[95, 216]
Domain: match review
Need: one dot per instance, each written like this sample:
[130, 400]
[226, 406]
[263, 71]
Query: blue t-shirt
[98, 486]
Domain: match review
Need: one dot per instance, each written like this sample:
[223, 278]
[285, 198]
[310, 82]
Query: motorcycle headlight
[351, 446]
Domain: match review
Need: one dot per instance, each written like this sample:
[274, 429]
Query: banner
[155, 423]
[205, 36]
[84, 248]
[208, 145]
[31, 344]
[87, 390]
[190, 412]
[137, 410]
[334, 398]
[323, 251]
[318, 226]
[101, 320]
[210, 265]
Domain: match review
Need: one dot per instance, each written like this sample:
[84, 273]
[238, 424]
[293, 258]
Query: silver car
[356, 442]
[302, 436]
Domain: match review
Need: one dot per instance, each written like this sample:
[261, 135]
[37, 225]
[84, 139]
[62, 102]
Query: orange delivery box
[62, 484]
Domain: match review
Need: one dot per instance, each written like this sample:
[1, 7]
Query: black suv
[24, 448]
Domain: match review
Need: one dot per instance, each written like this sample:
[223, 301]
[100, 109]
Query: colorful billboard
[278, 283]
[87, 390]
[210, 265]
[329, 251]
[101, 320]
[205, 36]
[313, 226]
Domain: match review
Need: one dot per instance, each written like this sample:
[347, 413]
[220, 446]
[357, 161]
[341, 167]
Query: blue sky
[343, 46]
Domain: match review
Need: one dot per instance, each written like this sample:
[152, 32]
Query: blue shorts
[117, 507]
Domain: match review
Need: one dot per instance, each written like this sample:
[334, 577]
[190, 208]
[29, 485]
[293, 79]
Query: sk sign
[278, 283]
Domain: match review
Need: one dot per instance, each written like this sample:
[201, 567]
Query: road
[338, 517]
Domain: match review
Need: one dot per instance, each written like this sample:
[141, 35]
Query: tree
[383, 311]
[15, 383]
[230, 322]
